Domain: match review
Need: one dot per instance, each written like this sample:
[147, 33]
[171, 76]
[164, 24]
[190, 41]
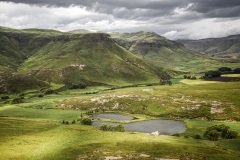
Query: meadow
[33, 129]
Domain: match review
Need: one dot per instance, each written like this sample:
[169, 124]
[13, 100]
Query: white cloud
[181, 23]
[182, 10]
[205, 28]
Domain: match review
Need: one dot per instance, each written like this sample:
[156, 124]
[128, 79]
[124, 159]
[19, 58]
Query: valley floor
[34, 130]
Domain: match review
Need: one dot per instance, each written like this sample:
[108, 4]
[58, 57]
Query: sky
[174, 19]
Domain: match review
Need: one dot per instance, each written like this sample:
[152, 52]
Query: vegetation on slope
[165, 53]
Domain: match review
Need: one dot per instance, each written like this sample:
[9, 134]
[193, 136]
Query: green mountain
[226, 47]
[95, 58]
[58, 57]
[162, 52]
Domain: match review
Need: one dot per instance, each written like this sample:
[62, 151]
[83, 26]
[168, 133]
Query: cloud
[205, 28]
[172, 18]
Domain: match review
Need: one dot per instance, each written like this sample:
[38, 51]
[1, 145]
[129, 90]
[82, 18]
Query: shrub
[41, 95]
[176, 135]
[225, 69]
[63, 122]
[189, 77]
[5, 97]
[17, 100]
[230, 134]
[165, 82]
[219, 131]
[49, 91]
[86, 121]
[212, 74]
[236, 70]
[213, 135]
[193, 78]
[197, 136]
[73, 122]
[77, 86]
[118, 128]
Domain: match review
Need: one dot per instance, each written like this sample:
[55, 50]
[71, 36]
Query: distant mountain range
[226, 47]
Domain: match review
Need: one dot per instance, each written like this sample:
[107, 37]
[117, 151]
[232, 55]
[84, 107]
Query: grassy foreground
[33, 129]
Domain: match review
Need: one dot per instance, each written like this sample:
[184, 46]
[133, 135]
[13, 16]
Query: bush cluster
[222, 70]
[165, 82]
[118, 128]
[77, 86]
[86, 121]
[216, 132]
[67, 122]
[5, 97]
[189, 77]
[212, 74]
[17, 100]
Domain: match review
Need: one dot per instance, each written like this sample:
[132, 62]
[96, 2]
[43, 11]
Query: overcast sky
[174, 19]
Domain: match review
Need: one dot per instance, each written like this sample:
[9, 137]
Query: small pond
[114, 116]
[164, 127]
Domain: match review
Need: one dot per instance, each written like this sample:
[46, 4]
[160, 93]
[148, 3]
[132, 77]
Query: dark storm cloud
[172, 18]
[217, 8]
[147, 8]
[131, 4]
[139, 9]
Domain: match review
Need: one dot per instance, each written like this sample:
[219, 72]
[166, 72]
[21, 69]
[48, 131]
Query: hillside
[89, 57]
[97, 58]
[17, 45]
[226, 47]
[58, 57]
[164, 53]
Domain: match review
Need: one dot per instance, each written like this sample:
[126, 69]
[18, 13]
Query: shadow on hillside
[224, 79]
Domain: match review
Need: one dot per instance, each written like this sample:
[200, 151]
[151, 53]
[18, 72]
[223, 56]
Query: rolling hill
[226, 47]
[58, 57]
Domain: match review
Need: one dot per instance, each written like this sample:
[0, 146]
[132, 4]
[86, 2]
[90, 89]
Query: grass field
[34, 130]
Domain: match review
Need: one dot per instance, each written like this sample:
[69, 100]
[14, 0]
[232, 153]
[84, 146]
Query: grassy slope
[42, 140]
[168, 54]
[17, 45]
[105, 61]
[37, 133]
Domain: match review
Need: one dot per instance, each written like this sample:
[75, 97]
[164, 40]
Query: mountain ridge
[224, 47]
